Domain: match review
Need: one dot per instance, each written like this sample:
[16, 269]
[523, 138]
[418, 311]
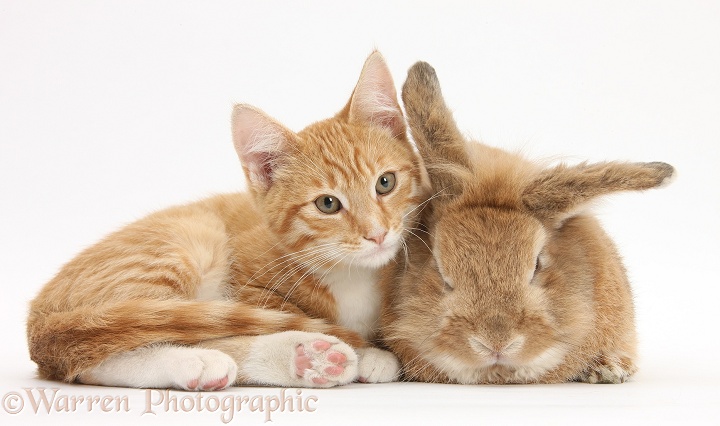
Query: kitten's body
[238, 287]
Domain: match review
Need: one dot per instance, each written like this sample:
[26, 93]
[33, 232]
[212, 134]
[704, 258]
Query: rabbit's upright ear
[562, 191]
[433, 128]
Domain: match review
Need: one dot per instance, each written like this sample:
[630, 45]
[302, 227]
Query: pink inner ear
[380, 110]
[259, 141]
[267, 172]
[391, 120]
[375, 99]
[261, 168]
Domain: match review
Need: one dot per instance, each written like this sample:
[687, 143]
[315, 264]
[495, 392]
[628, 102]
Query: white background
[112, 109]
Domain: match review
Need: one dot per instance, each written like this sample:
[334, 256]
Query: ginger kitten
[277, 286]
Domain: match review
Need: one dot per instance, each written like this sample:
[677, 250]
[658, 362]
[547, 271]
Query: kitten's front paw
[377, 366]
[608, 369]
[302, 359]
[203, 370]
[324, 362]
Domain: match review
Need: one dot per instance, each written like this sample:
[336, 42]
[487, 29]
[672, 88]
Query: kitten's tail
[65, 344]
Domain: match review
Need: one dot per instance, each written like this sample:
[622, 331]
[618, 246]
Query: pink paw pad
[211, 385]
[334, 370]
[321, 345]
[336, 357]
[302, 361]
[317, 357]
[215, 384]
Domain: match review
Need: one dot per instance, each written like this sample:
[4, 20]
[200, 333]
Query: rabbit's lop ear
[562, 191]
[433, 128]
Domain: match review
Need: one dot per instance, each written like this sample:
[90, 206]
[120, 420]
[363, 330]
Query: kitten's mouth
[384, 248]
[379, 255]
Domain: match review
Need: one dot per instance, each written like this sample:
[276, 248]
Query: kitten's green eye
[328, 204]
[385, 183]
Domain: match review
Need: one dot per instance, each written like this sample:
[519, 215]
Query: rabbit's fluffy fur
[512, 281]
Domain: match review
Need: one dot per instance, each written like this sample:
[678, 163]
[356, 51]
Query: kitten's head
[343, 190]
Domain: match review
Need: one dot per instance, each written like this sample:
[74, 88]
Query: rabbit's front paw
[608, 369]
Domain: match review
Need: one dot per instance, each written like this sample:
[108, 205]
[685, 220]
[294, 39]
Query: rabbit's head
[517, 281]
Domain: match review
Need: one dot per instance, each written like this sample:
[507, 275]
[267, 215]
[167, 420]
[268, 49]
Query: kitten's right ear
[433, 128]
[261, 143]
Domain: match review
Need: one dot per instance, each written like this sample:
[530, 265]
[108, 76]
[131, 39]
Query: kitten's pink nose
[378, 238]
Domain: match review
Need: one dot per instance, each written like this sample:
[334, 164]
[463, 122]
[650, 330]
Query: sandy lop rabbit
[512, 282]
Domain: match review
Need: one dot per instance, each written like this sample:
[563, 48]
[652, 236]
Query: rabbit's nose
[497, 348]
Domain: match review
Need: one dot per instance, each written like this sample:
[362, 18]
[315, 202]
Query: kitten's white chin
[376, 256]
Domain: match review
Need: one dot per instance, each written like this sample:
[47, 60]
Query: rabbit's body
[511, 282]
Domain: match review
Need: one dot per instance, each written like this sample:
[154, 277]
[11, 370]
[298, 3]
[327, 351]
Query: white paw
[377, 366]
[203, 369]
[165, 366]
[300, 359]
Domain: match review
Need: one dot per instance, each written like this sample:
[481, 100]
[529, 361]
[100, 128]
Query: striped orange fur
[245, 264]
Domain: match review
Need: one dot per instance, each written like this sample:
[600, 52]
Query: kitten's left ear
[261, 144]
[374, 99]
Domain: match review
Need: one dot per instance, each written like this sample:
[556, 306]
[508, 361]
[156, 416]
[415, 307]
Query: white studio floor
[112, 109]
[660, 394]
